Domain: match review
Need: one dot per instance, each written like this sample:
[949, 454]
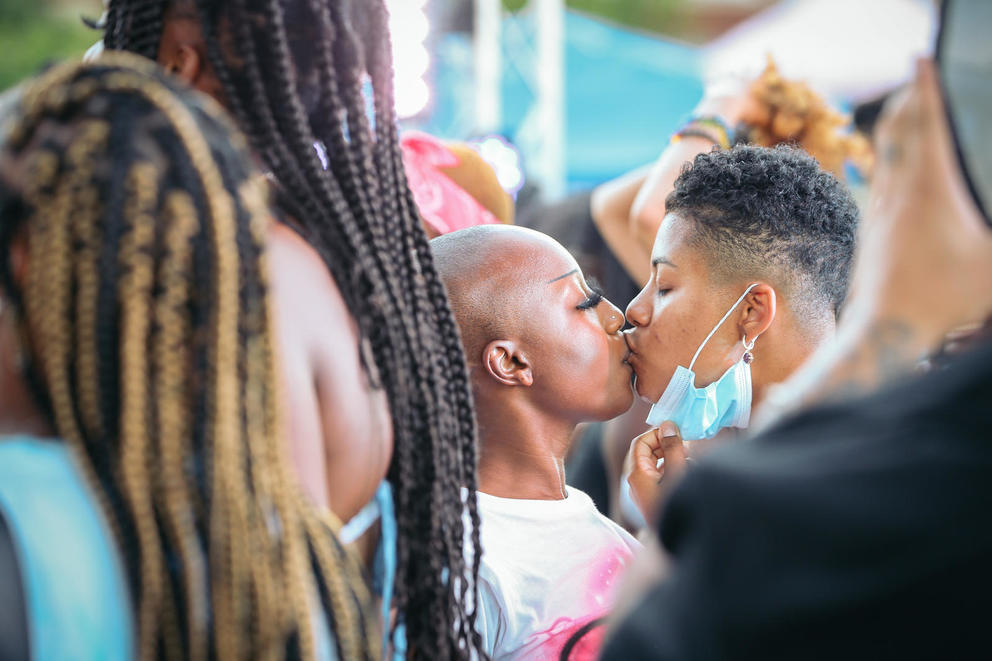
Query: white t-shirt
[549, 567]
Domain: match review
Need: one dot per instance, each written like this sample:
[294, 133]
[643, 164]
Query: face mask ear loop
[720, 323]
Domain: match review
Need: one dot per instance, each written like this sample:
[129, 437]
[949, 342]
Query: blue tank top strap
[384, 571]
[77, 598]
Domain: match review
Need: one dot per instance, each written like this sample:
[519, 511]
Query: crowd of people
[277, 383]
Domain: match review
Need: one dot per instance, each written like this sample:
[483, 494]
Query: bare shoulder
[339, 426]
[300, 280]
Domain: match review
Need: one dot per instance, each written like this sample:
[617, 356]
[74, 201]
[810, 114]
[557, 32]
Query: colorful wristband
[690, 132]
[709, 127]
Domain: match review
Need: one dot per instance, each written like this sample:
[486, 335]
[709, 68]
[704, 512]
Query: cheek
[667, 344]
[586, 366]
[591, 354]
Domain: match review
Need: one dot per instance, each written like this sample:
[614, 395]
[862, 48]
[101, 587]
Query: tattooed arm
[923, 266]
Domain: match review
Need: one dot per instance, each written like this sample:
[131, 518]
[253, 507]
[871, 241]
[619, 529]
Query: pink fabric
[600, 594]
[442, 203]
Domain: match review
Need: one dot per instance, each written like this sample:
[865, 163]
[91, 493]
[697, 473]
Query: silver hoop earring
[748, 357]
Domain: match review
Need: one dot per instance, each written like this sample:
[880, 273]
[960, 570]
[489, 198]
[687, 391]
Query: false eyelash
[594, 299]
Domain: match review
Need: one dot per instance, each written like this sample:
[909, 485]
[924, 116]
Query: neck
[788, 347]
[522, 452]
[19, 412]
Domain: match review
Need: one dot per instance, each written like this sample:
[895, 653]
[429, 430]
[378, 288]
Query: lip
[630, 349]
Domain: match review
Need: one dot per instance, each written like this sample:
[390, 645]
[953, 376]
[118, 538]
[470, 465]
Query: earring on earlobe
[748, 357]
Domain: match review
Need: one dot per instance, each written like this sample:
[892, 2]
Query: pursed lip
[630, 348]
[629, 354]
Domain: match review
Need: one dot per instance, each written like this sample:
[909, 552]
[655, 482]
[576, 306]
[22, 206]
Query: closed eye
[594, 298]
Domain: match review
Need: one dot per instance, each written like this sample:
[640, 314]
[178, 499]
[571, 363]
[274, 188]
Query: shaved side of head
[484, 271]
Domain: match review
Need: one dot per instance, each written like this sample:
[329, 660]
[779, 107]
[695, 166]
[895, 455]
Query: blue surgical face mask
[702, 412]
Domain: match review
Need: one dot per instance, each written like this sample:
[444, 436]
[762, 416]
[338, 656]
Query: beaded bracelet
[711, 128]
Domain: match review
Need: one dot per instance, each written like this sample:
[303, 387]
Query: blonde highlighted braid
[145, 308]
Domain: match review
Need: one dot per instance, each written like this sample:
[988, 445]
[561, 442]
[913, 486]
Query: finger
[645, 451]
[672, 448]
[644, 490]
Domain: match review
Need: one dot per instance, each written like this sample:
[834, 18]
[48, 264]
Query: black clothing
[859, 530]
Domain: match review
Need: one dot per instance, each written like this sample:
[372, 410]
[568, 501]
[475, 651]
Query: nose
[611, 317]
[639, 309]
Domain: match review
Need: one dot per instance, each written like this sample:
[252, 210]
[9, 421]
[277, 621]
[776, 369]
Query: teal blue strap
[77, 598]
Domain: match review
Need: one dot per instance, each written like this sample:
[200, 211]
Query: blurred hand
[924, 257]
[646, 478]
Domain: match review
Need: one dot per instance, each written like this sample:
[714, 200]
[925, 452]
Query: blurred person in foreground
[147, 503]
[857, 527]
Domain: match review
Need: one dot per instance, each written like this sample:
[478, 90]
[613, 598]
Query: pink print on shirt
[602, 582]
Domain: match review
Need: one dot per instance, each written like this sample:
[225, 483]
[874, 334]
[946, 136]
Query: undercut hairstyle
[150, 349]
[775, 213]
[296, 74]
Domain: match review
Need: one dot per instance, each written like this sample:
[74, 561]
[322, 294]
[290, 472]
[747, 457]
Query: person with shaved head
[544, 353]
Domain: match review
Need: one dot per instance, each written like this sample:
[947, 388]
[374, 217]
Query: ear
[182, 51]
[181, 58]
[505, 362]
[757, 311]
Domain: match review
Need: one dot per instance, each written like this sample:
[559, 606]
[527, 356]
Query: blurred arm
[610, 206]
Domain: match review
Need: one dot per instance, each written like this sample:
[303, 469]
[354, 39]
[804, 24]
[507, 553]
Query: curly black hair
[772, 212]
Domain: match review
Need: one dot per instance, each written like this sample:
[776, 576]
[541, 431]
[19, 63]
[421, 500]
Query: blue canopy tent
[625, 93]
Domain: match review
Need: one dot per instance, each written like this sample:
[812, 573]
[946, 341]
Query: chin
[636, 387]
[624, 400]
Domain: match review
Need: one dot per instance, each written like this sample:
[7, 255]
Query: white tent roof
[846, 49]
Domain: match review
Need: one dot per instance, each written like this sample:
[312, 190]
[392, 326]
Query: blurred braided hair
[294, 74]
[145, 308]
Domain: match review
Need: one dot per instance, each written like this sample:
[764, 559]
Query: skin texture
[672, 316]
[539, 364]
[318, 345]
[683, 301]
[339, 428]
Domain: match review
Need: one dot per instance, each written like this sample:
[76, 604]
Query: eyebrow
[662, 260]
[563, 276]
